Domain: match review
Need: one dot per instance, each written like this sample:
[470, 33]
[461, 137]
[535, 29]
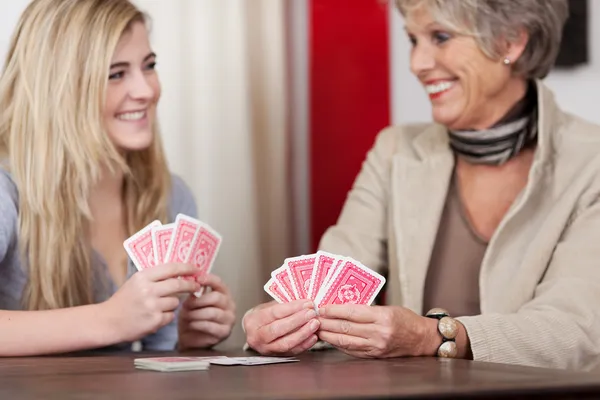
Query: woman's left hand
[206, 320]
[378, 331]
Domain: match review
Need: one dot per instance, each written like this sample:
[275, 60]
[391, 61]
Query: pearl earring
[506, 61]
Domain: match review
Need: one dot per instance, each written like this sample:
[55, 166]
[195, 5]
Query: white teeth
[438, 88]
[132, 116]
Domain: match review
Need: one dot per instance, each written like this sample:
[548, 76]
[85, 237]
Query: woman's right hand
[282, 329]
[147, 300]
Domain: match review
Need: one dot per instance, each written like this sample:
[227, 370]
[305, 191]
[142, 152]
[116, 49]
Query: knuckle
[251, 338]
[151, 303]
[145, 290]
[156, 321]
[229, 318]
[213, 314]
[380, 346]
[386, 316]
[284, 346]
[253, 320]
[343, 342]
[386, 333]
[220, 298]
[372, 352]
[259, 338]
[345, 327]
[350, 313]
[180, 285]
[274, 312]
[273, 330]
[247, 324]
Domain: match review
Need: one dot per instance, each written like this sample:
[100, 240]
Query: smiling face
[467, 89]
[133, 91]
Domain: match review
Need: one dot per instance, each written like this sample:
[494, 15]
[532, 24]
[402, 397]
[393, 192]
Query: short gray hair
[488, 20]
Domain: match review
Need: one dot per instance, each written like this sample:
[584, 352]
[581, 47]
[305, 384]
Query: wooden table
[318, 375]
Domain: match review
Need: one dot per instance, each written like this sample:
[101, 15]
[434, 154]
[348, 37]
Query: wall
[9, 15]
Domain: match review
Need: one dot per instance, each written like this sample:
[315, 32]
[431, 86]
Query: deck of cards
[187, 240]
[326, 279]
[177, 364]
[172, 364]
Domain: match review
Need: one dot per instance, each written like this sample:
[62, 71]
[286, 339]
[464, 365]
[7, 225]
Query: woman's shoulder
[408, 139]
[9, 195]
[578, 130]
[182, 199]
[9, 211]
[576, 140]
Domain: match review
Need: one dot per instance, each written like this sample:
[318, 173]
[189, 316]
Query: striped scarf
[498, 144]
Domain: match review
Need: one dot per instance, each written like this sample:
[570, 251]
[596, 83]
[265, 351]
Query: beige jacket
[540, 277]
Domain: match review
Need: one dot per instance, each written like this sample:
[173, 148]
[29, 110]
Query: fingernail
[310, 314]
[308, 304]
[314, 325]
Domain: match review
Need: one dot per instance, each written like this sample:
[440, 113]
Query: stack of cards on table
[174, 364]
[187, 240]
[324, 278]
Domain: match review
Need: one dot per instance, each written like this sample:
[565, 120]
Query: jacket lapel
[497, 287]
[419, 188]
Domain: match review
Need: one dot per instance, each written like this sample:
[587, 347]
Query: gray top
[13, 277]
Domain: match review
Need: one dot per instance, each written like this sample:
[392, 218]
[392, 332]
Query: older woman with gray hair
[489, 218]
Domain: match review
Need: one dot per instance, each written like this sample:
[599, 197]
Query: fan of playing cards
[324, 278]
[187, 240]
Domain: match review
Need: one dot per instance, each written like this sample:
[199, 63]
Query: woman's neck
[107, 193]
[504, 104]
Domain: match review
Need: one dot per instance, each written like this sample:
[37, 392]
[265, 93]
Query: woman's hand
[206, 320]
[147, 300]
[378, 332]
[282, 329]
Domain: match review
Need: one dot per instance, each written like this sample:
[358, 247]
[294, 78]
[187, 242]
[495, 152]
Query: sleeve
[8, 213]
[560, 326]
[361, 229]
[182, 201]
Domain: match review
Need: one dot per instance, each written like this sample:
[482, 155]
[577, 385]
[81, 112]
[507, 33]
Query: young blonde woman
[83, 169]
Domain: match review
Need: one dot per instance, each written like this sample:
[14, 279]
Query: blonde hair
[489, 20]
[52, 92]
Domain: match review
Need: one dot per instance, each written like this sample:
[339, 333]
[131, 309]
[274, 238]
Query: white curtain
[224, 119]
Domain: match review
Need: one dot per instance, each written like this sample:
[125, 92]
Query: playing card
[323, 264]
[175, 360]
[181, 239]
[258, 360]
[173, 364]
[352, 283]
[300, 271]
[273, 288]
[161, 236]
[337, 263]
[204, 248]
[281, 275]
[139, 247]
